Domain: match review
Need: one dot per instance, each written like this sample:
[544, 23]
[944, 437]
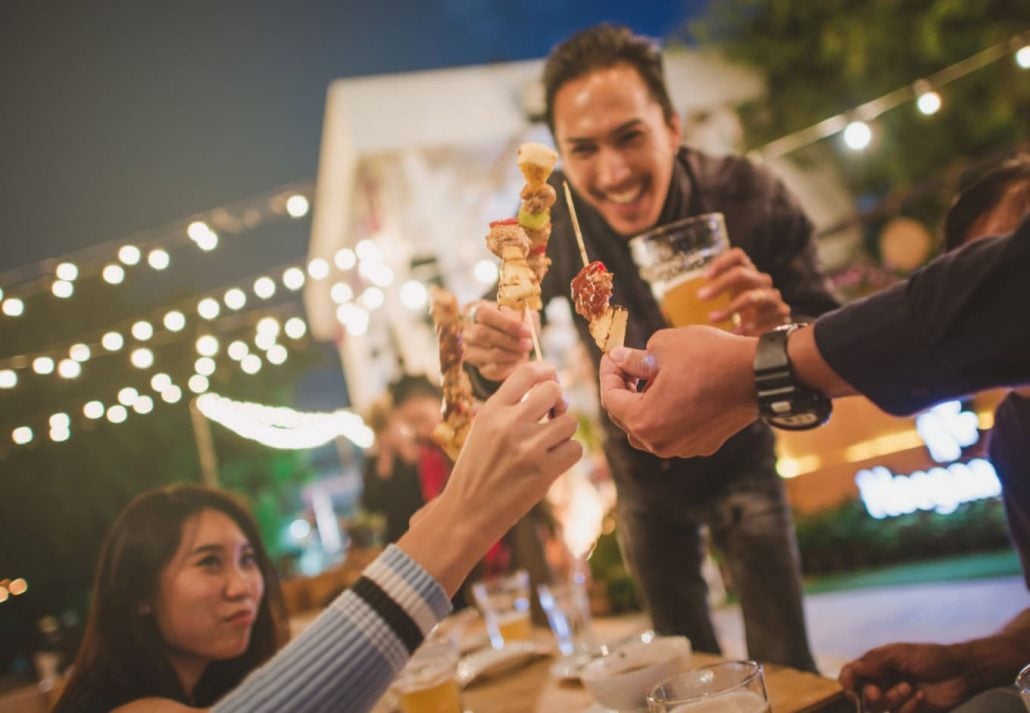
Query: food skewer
[458, 403]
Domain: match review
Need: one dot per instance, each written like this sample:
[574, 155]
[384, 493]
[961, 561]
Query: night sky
[123, 115]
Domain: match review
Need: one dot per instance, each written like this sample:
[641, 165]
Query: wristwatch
[782, 401]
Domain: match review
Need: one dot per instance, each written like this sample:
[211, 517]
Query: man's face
[617, 148]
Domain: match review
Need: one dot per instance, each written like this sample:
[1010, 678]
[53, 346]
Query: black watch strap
[782, 401]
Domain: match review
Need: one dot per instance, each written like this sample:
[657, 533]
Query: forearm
[995, 660]
[812, 369]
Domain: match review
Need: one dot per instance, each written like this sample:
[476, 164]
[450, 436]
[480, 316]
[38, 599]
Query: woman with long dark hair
[186, 607]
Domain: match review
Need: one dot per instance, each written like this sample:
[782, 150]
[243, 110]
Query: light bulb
[293, 278]
[174, 321]
[297, 206]
[62, 289]
[113, 274]
[158, 259]
[857, 135]
[129, 254]
[67, 271]
[112, 341]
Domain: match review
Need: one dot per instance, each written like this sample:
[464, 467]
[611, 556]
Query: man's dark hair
[412, 386]
[985, 193]
[600, 47]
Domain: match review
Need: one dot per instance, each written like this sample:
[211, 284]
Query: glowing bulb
[158, 259]
[345, 258]
[198, 384]
[340, 292]
[160, 381]
[59, 435]
[205, 366]
[857, 135]
[208, 241]
[8, 378]
[13, 307]
[112, 341]
[60, 420]
[143, 405]
[413, 295]
[297, 206]
[264, 287]
[43, 365]
[929, 103]
[67, 271]
[197, 229]
[19, 587]
[251, 364]
[208, 308]
[117, 414]
[1023, 57]
[381, 275]
[142, 330]
[93, 410]
[127, 396]
[62, 289]
[318, 269]
[235, 298]
[171, 395]
[207, 345]
[129, 254]
[69, 368]
[354, 318]
[268, 325]
[80, 352]
[368, 251]
[295, 328]
[293, 278]
[276, 354]
[237, 350]
[142, 358]
[21, 435]
[113, 274]
[264, 340]
[373, 298]
[174, 321]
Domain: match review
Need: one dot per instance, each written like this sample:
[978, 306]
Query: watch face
[797, 421]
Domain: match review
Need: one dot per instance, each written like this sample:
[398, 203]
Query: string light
[60, 435]
[205, 366]
[237, 350]
[345, 259]
[297, 206]
[284, 428]
[353, 318]
[22, 435]
[197, 229]
[62, 289]
[276, 354]
[43, 365]
[1023, 57]
[160, 381]
[198, 383]
[172, 394]
[485, 272]
[13, 307]
[857, 135]
[207, 345]
[112, 341]
[142, 358]
[69, 369]
[67, 271]
[142, 330]
[143, 405]
[293, 278]
[251, 364]
[158, 259]
[373, 298]
[264, 287]
[413, 295]
[295, 328]
[93, 410]
[368, 251]
[127, 396]
[8, 378]
[129, 255]
[318, 269]
[268, 325]
[209, 308]
[340, 292]
[929, 103]
[380, 275]
[113, 274]
[235, 298]
[117, 414]
[60, 420]
[80, 352]
[174, 321]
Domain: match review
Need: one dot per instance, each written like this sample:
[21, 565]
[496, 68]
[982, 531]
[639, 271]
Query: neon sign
[945, 429]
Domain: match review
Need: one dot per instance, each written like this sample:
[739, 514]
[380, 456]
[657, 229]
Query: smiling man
[619, 139]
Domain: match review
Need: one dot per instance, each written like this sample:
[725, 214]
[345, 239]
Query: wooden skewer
[526, 317]
[575, 224]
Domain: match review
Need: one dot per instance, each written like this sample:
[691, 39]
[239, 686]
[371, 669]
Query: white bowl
[621, 680]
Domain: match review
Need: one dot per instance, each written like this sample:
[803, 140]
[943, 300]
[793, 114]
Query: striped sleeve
[347, 657]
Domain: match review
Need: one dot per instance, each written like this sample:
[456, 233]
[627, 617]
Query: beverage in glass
[504, 603]
[728, 687]
[427, 684]
[673, 258]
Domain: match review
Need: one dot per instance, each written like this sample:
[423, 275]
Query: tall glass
[567, 606]
[504, 602]
[672, 259]
[427, 684]
[728, 687]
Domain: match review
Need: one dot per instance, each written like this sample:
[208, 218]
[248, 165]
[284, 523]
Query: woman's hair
[123, 657]
[1007, 181]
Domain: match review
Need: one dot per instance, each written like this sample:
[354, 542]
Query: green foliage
[823, 58]
[607, 566]
[846, 538]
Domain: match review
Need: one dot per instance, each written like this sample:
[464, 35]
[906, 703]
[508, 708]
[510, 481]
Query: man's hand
[759, 304]
[700, 390]
[905, 678]
[496, 340]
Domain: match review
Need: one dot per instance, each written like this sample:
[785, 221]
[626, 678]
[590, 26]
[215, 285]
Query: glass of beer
[504, 603]
[427, 684]
[672, 259]
[728, 687]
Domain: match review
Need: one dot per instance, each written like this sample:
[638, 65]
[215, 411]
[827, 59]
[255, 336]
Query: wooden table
[532, 690]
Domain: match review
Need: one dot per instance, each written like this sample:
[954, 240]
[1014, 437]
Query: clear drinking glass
[427, 683]
[672, 259]
[567, 607]
[504, 602]
[1023, 684]
[728, 687]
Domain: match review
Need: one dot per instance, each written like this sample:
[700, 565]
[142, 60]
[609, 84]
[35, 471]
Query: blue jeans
[751, 525]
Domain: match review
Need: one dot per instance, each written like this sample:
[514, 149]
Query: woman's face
[209, 593]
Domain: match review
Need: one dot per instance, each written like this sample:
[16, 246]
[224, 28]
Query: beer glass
[672, 259]
[427, 683]
[504, 603]
[1023, 684]
[728, 687]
